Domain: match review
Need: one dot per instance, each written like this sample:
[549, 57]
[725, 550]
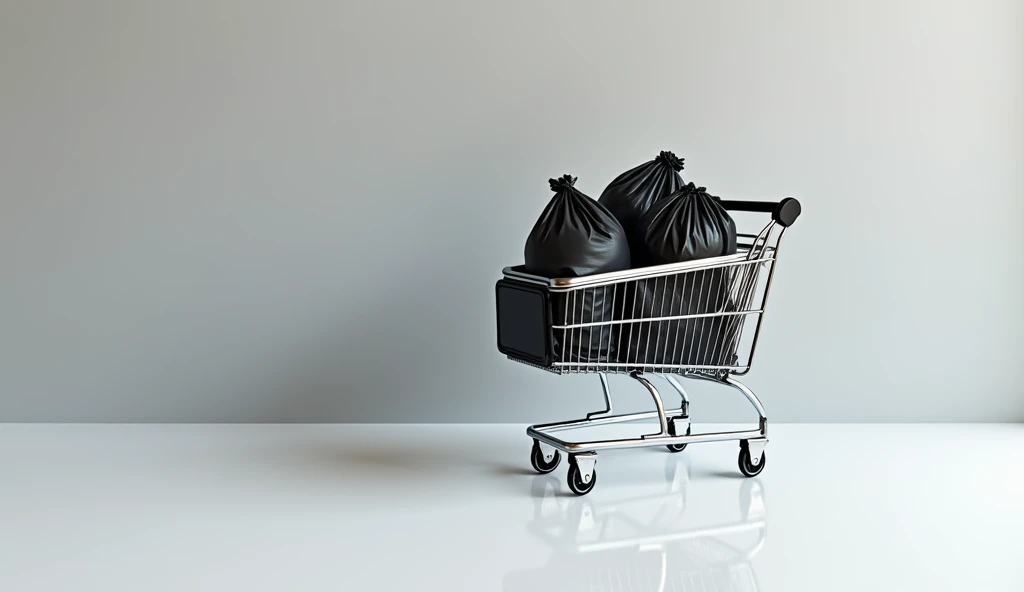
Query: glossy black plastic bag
[576, 236]
[634, 192]
[687, 225]
[700, 341]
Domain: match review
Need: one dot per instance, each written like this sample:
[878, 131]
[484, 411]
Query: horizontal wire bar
[655, 319]
[629, 275]
[638, 365]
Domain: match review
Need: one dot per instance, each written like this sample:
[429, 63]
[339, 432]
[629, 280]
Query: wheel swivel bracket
[586, 463]
[756, 448]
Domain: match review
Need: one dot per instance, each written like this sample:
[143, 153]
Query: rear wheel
[543, 463]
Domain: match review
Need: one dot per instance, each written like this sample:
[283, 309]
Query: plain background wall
[296, 211]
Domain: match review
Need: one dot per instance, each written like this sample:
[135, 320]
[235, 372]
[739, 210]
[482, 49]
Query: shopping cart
[699, 319]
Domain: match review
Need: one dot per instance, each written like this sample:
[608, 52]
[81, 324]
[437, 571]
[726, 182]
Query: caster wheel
[672, 430]
[747, 466]
[540, 464]
[576, 482]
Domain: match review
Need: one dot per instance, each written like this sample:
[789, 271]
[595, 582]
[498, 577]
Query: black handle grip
[784, 212]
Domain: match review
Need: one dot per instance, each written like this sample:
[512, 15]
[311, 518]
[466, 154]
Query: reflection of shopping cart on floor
[609, 547]
[698, 319]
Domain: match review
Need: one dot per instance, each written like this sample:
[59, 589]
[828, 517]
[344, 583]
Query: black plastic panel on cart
[524, 328]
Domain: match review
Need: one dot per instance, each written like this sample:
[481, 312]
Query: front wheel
[576, 482]
[747, 466]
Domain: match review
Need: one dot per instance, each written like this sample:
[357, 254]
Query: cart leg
[749, 394]
[662, 420]
[607, 398]
[672, 380]
[679, 425]
[752, 458]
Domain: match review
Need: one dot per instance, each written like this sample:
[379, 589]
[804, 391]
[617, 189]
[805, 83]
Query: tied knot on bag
[691, 189]
[563, 183]
[669, 159]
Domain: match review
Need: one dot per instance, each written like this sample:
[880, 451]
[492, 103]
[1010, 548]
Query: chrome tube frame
[543, 432]
[607, 398]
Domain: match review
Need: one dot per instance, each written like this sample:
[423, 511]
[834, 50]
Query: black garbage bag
[700, 341]
[690, 224]
[632, 193]
[576, 236]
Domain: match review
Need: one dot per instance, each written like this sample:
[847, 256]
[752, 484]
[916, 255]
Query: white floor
[353, 508]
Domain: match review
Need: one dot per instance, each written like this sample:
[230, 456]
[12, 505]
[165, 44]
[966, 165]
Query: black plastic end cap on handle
[784, 212]
[787, 212]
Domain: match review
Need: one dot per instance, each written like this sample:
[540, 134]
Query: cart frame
[674, 429]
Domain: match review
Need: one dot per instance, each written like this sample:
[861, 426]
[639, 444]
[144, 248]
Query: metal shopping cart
[698, 319]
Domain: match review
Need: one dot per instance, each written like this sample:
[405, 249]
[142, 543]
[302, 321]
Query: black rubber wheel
[541, 465]
[747, 467]
[672, 430]
[575, 479]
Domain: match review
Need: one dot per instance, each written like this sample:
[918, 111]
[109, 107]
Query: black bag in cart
[687, 225]
[631, 194]
[700, 341]
[576, 236]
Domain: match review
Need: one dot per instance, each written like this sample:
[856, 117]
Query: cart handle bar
[784, 212]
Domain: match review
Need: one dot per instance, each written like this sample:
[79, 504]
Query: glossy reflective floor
[355, 508]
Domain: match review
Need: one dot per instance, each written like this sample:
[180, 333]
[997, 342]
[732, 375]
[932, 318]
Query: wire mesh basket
[670, 318]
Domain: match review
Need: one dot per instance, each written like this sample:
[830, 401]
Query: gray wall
[225, 211]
